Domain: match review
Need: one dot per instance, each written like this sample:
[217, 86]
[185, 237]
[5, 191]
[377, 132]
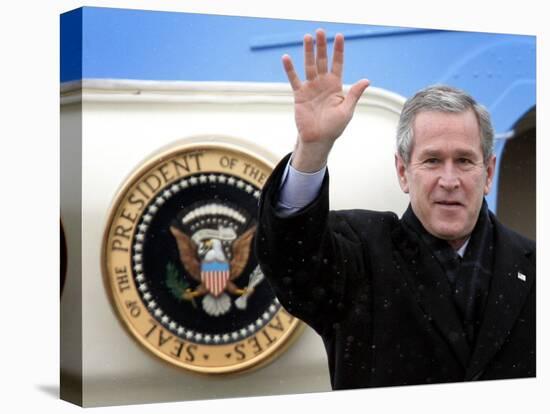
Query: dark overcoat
[381, 302]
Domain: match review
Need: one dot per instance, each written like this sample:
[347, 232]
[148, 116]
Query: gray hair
[442, 98]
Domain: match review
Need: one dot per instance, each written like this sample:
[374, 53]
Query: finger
[309, 58]
[338, 55]
[291, 73]
[354, 94]
[322, 61]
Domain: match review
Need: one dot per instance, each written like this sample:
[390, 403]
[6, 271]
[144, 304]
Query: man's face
[446, 177]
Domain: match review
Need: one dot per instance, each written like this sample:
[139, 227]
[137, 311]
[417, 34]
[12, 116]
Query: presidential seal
[179, 265]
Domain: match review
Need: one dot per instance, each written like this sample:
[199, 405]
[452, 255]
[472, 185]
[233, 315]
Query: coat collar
[431, 289]
[513, 276]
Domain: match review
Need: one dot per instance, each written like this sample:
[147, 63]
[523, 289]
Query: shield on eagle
[215, 275]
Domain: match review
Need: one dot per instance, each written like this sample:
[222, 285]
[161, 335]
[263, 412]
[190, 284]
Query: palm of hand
[321, 110]
[318, 109]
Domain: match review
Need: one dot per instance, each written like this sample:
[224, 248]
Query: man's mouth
[448, 203]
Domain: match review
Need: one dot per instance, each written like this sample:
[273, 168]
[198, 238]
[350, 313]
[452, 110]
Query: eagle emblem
[215, 257]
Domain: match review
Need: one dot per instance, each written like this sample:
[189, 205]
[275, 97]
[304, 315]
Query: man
[446, 293]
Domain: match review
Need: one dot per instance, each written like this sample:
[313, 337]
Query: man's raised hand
[321, 109]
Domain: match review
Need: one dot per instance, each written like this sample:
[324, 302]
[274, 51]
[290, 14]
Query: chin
[448, 233]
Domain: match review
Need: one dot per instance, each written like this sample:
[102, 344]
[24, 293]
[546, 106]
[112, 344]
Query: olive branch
[177, 284]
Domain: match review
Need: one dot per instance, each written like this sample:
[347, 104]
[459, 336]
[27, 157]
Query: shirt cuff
[298, 189]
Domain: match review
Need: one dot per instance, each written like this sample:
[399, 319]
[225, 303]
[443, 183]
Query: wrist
[310, 157]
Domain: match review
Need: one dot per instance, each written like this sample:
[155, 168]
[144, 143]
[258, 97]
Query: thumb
[355, 93]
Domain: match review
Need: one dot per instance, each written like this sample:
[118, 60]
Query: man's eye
[431, 161]
[465, 161]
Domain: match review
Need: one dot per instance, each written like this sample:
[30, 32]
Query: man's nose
[449, 178]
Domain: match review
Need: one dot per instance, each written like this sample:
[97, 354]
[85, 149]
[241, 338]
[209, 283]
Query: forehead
[435, 129]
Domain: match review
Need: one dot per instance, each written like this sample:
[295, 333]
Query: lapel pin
[522, 277]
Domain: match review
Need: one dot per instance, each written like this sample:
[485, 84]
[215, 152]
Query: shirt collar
[462, 249]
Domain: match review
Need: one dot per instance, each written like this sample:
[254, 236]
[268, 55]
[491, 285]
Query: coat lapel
[431, 289]
[513, 277]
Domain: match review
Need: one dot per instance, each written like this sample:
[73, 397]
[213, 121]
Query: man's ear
[490, 170]
[401, 169]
